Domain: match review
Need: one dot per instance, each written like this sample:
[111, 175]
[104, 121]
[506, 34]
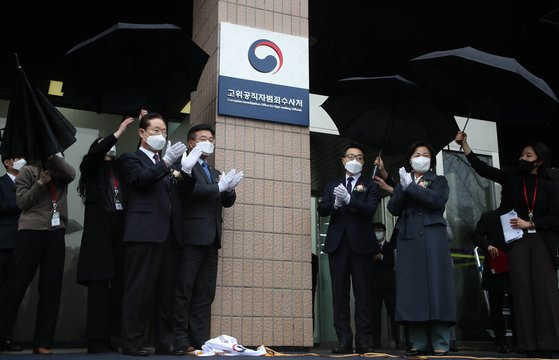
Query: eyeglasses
[158, 131]
[352, 157]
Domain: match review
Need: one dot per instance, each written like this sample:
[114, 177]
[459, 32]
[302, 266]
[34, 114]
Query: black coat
[490, 232]
[546, 210]
[201, 216]
[103, 224]
[354, 219]
[151, 199]
[9, 212]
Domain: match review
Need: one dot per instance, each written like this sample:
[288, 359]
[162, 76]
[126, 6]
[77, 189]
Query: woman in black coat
[532, 259]
[101, 255]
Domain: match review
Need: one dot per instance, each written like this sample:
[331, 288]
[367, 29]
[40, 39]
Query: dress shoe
[440, 353]
[8, 345]
[101, 346]
[185, 350]
[452, 346]
[135, 352]
[416, 352]
[364, 348]
[42, 351]
[342, 348]
[171, 350]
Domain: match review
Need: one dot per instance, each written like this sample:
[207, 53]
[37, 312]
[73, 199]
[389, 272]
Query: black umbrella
[484, 86]
[389, 113]
[34, 129]
[134, 66]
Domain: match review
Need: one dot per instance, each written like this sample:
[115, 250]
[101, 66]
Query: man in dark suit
[488, 236]
[201, 238]
[149, 235]
[351, 202]
[384, 284]
[9, 215]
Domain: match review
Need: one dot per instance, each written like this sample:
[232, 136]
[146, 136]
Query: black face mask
[526, 166]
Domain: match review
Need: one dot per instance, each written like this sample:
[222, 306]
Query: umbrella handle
[376, 166]
[464, 128]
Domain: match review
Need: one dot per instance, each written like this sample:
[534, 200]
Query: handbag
[500, 264]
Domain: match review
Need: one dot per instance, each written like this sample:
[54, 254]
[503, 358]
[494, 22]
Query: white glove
[236, 179]
[188, 161]
[405, 177]
[225, 180]
[173, 152]
[341, 192]
[337, 202]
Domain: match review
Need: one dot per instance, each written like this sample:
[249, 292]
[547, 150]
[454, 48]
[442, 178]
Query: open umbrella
[34, 128]
[389, 113]
[133, 66]
[484, 86]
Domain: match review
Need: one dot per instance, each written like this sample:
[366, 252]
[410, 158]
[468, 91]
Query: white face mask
[17, 165]
[206, 147]
[421, 164]
[353, 166]
[112, 151]
[156, 142]
[379, 235]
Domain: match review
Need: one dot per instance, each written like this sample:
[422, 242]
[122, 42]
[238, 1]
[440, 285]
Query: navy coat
[424, 271]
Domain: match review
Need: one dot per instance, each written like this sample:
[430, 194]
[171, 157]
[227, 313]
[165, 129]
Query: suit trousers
[348, 268]
[34, 249]
[534, 289]
[104, 304]
[149, 287]
[5, 255]
[388, 296]
[195, 294]
[429, 335]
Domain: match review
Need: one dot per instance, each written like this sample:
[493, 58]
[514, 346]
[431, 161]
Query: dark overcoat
[424, 270]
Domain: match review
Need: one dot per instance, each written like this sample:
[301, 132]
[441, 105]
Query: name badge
[55, 221]
[118, 204]
[531, 231]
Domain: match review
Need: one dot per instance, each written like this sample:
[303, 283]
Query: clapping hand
[405, 177]
[341, 192]
[173, 152]
[188, 161]
[225, 180]
[236, 179]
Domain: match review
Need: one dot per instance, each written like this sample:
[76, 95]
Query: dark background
[348, 38]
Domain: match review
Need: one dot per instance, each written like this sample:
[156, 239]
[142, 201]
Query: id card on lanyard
[55, 219]
[118, 203]
[531, 208]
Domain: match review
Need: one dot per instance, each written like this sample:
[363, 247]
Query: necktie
[156, 158]
[348, 186]
[207, 171]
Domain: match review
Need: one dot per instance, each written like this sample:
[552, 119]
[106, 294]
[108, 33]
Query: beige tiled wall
[264, 275]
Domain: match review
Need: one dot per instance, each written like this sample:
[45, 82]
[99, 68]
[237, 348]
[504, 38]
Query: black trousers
[388, 296]
[348, 268]
[496, 317]
[5, 255]
[195, 294]
[149, 288]
[104, 309]
[535, 298]
[34, 249]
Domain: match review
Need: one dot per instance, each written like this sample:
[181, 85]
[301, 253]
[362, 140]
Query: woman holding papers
[529, 191]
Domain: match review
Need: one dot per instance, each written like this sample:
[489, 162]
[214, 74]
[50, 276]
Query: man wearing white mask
[200, 239]
[150, 234]
[9, 215]
[351, 203]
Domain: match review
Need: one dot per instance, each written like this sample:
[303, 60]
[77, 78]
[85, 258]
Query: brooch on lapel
[175, 176]
[424, 183]
[360, 188]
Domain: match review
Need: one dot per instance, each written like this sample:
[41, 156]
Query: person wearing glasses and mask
[150, 245]
[425, 296]
[101, 255]
[9, 215]
[200, 239]
[351, 202]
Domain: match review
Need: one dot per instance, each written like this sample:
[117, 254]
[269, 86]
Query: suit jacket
[9, 212]
[354, 220]
[383, 270]
[148, 200]
[201, 213]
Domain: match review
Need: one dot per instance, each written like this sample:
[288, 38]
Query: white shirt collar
[12, 177]
[149, 153]
[354, 176]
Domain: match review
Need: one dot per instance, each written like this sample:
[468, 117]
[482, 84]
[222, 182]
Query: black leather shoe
[171, 350]
[440, 353]
[415, 352]
[135, 352]
[342, 348]
[8, 345]
[364, 348]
